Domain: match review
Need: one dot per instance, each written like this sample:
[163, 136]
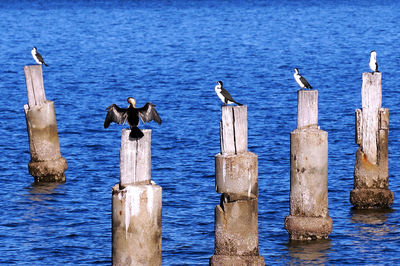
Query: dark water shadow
[314, 251]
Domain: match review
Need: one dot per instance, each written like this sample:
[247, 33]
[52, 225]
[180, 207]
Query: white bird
[373, 64]
[37, 56]
[303, 83]
[224, 95]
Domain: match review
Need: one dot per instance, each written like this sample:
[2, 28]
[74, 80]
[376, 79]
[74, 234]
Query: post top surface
[372, 74]
[233, 106]
[315, 130]
[307, 90]
[308, 93]
[144, 130]
[28, 66]
[131, 187]
[242, 154]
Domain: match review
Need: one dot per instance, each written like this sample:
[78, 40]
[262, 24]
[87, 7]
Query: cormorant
[373, 64]
[303, 83]
[37, 56]
[224, 95]
[131, 114]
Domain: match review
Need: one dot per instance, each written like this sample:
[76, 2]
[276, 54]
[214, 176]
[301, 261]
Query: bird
[373, 64]
[224, 95]
[37, 56]
[303, 83]
[131, 115]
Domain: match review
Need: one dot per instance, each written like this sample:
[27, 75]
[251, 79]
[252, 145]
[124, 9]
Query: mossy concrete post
[236, 178]
[309, 217]
[46, 164]
[371, 174]
[136, 206]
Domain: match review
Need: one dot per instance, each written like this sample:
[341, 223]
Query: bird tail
[45, 64]
[135, 134]
[239, 104]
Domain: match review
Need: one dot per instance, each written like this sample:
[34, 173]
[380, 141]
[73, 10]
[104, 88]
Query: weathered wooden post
[136, 206]
[46, 163]
[309, 217]
[371, 174]
[236, 177]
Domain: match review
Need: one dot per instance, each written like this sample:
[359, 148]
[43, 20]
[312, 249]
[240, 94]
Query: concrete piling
[236, 178]
[46, 164]
[371, 174]
[135, 159]
[309, 217]
[136, 206]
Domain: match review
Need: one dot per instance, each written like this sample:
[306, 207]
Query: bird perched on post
[373, 64]
[131, 114]
[37, 56]
[224, 95]
[303, 83]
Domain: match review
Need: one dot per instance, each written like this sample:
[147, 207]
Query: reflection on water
[309, 251]
[372, 224]
[42, 191]
[374, 216]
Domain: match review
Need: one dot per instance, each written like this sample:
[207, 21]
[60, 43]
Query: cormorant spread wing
[115, 114]
[148, 112]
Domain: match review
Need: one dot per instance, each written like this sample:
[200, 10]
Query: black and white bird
[37, 56]
[373, 64]
[131, 115]
[303, 83]
[224, 95]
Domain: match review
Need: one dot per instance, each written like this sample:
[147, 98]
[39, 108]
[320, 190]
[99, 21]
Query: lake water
[171, 53]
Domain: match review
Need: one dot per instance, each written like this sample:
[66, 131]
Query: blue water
[171, 53]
